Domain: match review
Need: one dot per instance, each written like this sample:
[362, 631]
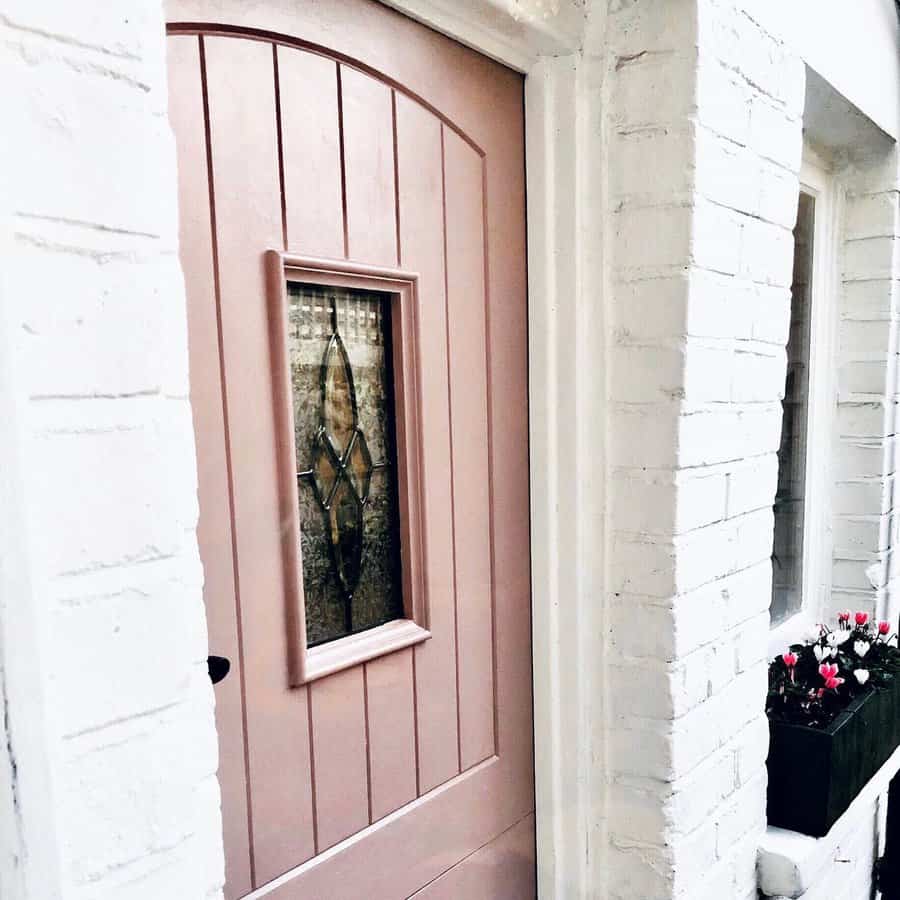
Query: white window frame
[817, 180]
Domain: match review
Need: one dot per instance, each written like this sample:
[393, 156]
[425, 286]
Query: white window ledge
[791, 863]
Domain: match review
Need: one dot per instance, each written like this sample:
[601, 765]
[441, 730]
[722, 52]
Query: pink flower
[884, 628]
[790, 659]
[844, 616]
[862, 618]
[828, 670]
[833, 684]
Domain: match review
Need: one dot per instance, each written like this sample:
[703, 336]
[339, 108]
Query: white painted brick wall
[109, 708]
[107, 786]
[702, 259]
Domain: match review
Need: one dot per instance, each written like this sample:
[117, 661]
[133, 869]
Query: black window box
[815, 773]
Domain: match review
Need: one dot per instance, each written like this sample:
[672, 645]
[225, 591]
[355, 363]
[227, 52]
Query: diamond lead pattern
[342, 464]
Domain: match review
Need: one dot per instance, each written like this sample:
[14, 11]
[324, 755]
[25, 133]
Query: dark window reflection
[787, 555]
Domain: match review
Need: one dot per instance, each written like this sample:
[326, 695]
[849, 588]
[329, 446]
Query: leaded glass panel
[339, 350]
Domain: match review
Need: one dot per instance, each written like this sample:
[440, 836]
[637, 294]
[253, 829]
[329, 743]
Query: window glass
[339, 349]
[787, 555]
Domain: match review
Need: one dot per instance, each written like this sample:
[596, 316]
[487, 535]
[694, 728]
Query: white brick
[664, 77]
[653, 164]
[872, 215]
[723, 102]
[766, 253]
[774, 135]
[652, 237]
[716, 240]
[870, 258]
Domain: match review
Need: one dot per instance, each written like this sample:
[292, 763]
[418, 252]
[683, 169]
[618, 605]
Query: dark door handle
[219, 667]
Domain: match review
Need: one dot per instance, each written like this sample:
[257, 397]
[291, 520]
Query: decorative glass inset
[339, 349]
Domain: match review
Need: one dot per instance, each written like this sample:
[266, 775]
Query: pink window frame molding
[306, 664]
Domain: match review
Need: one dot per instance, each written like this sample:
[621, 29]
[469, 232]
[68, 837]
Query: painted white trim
[791, 863]
[567, 444]
[817, 180]
[565, 160]
[490, 27]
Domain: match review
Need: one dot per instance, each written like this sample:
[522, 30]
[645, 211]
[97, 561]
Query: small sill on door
[343, 653]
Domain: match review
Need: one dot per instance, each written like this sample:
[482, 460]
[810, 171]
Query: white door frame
[565, 159]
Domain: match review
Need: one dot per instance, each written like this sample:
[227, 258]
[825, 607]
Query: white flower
[840, 637]
[861, 648]
[861, 675]
[821, 652]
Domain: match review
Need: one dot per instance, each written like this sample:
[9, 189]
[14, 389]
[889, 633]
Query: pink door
[353, 242]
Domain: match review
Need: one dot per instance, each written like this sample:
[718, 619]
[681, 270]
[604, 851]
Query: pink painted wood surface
[311, 150]
[338, 722]
[368, 143]
[504, 869]
[471, 483]
[248, 216]
[214, 534]
[420, 188]
[403, 852]
[392, 732]
[409, 848]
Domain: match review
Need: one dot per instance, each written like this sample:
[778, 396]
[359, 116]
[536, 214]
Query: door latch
[219, 667]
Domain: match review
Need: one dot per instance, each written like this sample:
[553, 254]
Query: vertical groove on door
[452, 483]
[464, 209]
[343, 156]
[314, 804]
[420, 199]
[279, 137]
[248, 206]
[215, 529]
[396, 177]
[227, 433]
[415, 705]
[365, 674]
[490, 444]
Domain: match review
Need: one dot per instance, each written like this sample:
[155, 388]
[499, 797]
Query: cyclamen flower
[844, 616]
[821, 652]
[828, 670]
[833, 684]
[861, 648]
[862, 618]
[861, 675]
[790, 659]
[884, 628]
[813, 634]
[836, 638]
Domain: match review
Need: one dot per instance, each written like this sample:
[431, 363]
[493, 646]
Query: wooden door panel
[247, 192]
[499, 871]
[421, 214]
[400, 854]
[391, 717]
[368, 142]
[471, 477]
[374, 780]
[214, 533]
[311, 150]
[340, 756]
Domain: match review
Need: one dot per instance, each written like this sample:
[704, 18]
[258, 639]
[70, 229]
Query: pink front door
[353, 242]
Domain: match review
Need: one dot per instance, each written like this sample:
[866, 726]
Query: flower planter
[815, 773]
